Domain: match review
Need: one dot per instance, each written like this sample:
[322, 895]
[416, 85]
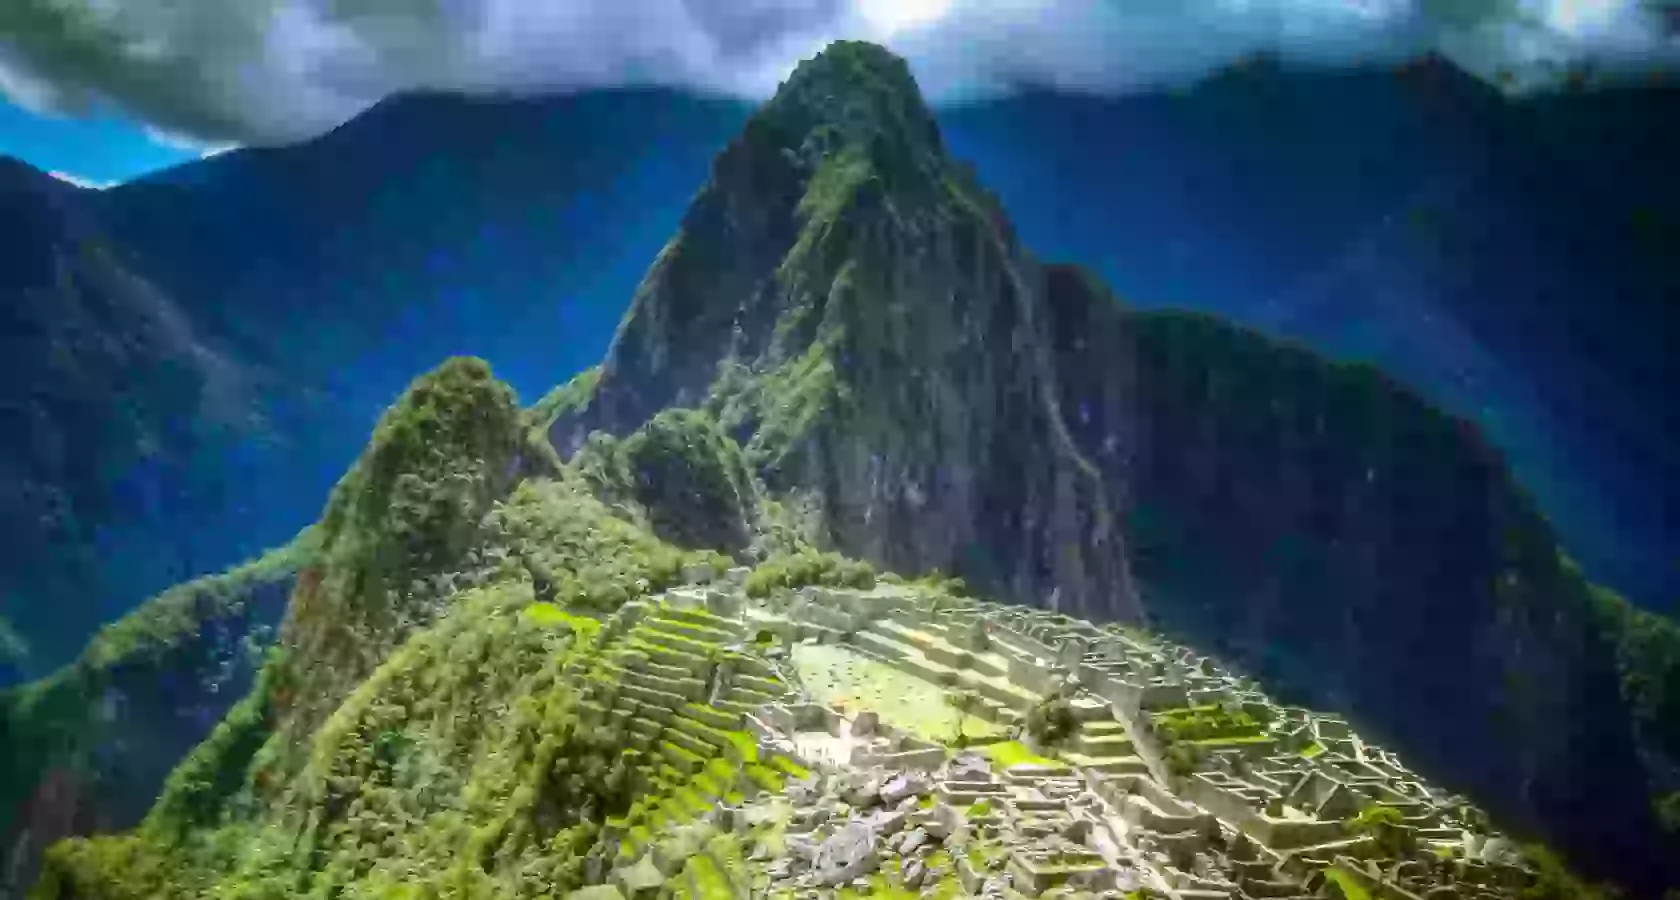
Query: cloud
[81, 182]
[260, 71]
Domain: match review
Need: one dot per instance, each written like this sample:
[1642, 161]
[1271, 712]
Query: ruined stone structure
[1181, 780]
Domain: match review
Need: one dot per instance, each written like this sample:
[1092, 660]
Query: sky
[99, 91]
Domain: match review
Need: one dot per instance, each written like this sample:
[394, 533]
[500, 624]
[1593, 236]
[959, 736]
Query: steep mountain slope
[87, 748]
[1357, 549]
[856, 311]
[107, 389]
[1467, 243]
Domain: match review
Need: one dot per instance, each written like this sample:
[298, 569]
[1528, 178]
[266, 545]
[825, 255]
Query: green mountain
[845, 349]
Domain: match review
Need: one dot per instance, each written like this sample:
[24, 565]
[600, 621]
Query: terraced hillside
[698, 742]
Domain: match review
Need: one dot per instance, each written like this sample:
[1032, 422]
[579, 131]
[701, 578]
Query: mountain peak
[855, 95]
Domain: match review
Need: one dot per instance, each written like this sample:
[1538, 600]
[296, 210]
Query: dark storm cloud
[270, 70]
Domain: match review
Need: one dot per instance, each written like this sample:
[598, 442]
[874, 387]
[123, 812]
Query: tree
[1051, 721]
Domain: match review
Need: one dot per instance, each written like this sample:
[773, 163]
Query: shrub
[194, 792]
[693, 481]
[808, 567]
[1181, 759]
[1386, 826]
[1051, 721]
[1554, 881]
[1203, 723]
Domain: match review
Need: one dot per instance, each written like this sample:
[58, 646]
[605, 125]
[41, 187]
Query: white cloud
[81, 182]
[253, 71]
[177, 141]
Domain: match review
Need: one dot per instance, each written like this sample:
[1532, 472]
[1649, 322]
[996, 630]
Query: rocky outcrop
[856, 310]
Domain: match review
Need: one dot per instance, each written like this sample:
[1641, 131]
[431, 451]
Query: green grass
[791, 769]
[839, 675]
[1232, 741]
[1015, 753]
[1350, 887]
[765, 777]
[551, 616]
[1201, 723]
[708, 880]
[743, 743]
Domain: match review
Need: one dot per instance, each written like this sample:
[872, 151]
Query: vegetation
[565, 399]
[443, 772]
[1349, 887]
[1554, 881]
[398, 523]
[1648, 660]
[1181, 759]
[215, 770]
[576, 552]
[1015, 753]
[178, 615]
[57, 721]
[1202, 723]
[938, 582]
[570, 398]
[1387, 828]
[1648, 657]
[693, 481]
[1051, 721]
[808, 567]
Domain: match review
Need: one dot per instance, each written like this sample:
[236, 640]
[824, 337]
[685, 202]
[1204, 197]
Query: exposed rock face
[1355, 548]
[855, 309]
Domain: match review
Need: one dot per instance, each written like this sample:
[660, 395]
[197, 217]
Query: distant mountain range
[278, 297]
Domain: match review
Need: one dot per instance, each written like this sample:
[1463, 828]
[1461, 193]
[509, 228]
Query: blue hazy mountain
[193, 358]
